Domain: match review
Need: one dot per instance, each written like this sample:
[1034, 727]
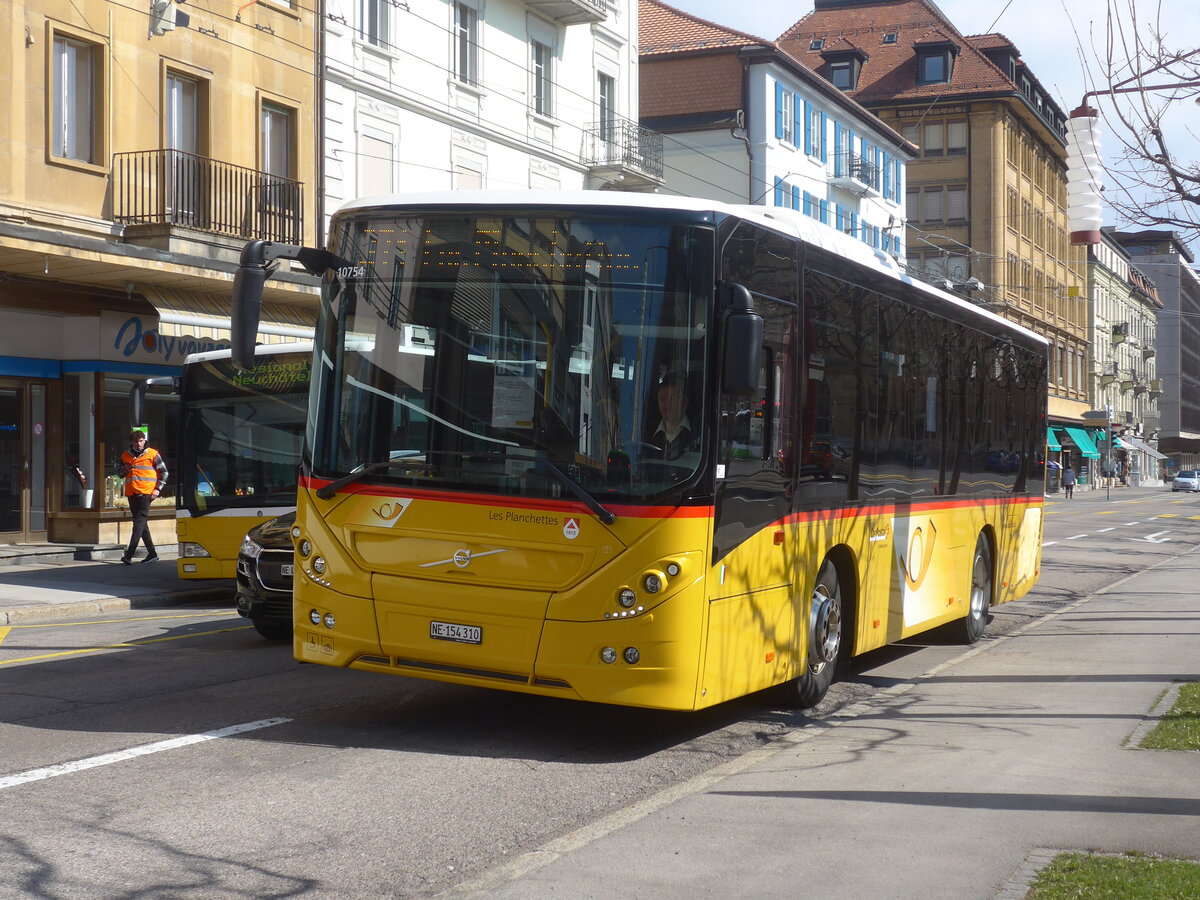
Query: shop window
[160, 421]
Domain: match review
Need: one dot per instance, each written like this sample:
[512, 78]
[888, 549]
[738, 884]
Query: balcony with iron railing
[857, 174]
[570, 12]
[621, 153]
[162, 191]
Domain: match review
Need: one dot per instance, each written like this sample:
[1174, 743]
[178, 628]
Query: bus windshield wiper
[571, 485]
[324, 493]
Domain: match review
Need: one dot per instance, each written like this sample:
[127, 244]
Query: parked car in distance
[1186, 480]
[264, 577]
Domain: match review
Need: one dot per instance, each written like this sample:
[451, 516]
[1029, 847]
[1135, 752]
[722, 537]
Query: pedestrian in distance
[145, 475]
[1068, 479]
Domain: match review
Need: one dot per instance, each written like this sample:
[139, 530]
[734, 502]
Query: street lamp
[1084, 209]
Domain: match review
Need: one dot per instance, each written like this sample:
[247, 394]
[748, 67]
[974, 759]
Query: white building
[744, 122]
[436, 94]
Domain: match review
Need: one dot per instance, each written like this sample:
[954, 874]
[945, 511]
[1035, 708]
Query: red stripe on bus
[309, 482]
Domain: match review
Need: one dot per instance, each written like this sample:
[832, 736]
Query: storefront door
[22, 461]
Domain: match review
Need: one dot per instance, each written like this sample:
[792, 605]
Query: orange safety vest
[141, 475]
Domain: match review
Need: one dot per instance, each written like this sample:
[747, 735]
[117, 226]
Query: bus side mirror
[252, 273]
[743, 339]
[137, 402]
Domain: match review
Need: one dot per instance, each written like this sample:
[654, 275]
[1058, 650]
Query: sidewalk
[57, 586]
[1114, 494]
[958, 784]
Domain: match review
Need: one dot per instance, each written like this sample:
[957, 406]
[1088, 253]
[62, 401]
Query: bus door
[751, 587]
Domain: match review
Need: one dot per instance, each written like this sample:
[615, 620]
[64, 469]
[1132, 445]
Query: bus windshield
[514, 354]
[245, 431]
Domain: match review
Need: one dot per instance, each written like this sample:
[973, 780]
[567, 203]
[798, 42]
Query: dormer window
[933, 68]
[935, 62]
[816, 43]
[843, 64]
[891, 37]
[841, 76]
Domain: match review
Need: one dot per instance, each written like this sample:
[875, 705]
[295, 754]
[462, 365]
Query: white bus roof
[259, 351]
[788, 221]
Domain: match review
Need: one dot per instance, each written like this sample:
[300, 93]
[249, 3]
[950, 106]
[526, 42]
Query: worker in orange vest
[145, 475]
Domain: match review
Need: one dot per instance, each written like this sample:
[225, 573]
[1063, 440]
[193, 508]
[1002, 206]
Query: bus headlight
[653, 583]
[329, 620]
[295, 531]
[318, 565]
[194, 551]
[632, 655]
[627, 597]
[248, 549]
[314, 616]
[305, 548]
[608, 655]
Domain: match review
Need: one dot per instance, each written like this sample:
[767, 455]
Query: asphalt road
[123, 772]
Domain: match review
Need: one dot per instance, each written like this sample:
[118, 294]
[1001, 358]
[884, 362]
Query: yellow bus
[240, 456]
[497, 487]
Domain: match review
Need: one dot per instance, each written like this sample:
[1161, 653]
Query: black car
[264, 577]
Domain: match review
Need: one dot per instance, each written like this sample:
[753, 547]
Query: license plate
[287, 570]
[462, 634]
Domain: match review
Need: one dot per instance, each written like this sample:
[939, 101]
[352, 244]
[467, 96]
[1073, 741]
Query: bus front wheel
[826, 622]
[981, 592]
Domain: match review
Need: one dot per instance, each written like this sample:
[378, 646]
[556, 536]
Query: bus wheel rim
[826, 628]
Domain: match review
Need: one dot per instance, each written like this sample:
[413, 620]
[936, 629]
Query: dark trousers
[139, 505]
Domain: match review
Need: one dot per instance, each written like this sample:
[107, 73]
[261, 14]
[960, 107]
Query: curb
[52, 611]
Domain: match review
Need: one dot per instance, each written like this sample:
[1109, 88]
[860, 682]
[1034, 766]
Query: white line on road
[1102, 530]
[1133, 523]
[1153, 538]
[1049, 543]
[120, 755]
[1076, 537]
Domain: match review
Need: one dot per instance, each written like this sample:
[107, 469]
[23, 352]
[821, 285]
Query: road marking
[105, 759]
[1049, 543]
[1167, 516]
[1103, 530]
[1076, 537]
[122, 646]
[4, 632]
[1133, 523]
[1107, 512]
[121, 621]
[1150, 538]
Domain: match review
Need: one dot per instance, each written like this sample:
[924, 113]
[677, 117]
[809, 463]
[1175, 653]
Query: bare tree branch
[1147, 92]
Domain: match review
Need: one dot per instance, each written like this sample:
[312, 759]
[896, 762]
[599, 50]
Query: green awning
[1052, 440]
[1083, 441]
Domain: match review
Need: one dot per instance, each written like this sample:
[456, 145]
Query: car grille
[269, 566]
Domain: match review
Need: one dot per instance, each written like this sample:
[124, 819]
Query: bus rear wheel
[981, 592]
[826, 623]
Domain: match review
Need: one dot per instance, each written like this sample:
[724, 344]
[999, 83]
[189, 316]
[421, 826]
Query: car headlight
[249, 548]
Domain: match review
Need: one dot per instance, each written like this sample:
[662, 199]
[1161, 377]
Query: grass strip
[1179, 729]
[1132, 876]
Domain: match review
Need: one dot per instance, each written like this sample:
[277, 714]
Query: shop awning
[1135, 444]
[206, 315]
[1083, 441]
[1052, 440]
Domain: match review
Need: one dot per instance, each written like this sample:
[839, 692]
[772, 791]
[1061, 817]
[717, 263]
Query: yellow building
[141, 146]
[986, 198]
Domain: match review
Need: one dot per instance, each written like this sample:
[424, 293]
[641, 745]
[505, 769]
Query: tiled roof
[891, 71]
[993, 41]
[840, 44]
[664, 29]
